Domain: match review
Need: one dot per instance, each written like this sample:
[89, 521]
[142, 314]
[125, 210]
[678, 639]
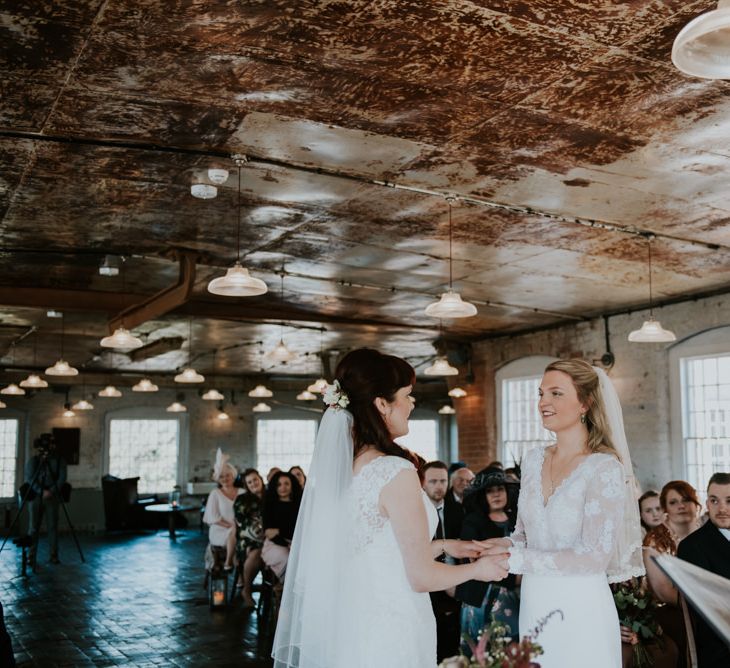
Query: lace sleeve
[602, 516]
[518, 535]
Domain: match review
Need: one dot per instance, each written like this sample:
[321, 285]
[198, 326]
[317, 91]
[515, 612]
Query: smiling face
[396, 412]
[559, 405]
[226, 477]
[718, 505]
[680, 509]
[298, 474]
[651, 512]
[254, 484]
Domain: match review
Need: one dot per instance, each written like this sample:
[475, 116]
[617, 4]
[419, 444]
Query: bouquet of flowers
[494, 649]
[636, 610]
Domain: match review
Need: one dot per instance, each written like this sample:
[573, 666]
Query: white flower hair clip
[335, 397]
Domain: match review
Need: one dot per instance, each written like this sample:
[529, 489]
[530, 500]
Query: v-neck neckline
[545, 503]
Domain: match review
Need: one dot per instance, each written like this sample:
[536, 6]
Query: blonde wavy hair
[586, 384]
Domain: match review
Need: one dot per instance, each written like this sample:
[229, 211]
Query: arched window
[519, 427]
[700, 396]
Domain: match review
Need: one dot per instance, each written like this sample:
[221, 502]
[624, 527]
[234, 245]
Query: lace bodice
[369, 525]
[575, 531]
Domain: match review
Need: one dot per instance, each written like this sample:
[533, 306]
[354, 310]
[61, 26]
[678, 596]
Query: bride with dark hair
[363, 558]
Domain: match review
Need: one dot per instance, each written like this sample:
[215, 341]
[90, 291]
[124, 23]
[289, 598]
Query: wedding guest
[446, 609]
[679, 501]
[460, 479]
[709, 547]
[247, 509]
[219, 508]
[650, 511]
[489, 515]
[272, 472]
[298, 473]
[281, 507]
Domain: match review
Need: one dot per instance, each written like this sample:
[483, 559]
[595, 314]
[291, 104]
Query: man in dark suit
[460, 478]
[446, 609]
[709, 548]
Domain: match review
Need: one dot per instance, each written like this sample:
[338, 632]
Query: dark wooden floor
[137, 601]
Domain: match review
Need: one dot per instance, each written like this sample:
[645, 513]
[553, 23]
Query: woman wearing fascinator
[362, 558]
[578, 522]
[219, 515]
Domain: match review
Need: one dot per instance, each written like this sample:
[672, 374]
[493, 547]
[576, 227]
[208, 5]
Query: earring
[582, 418]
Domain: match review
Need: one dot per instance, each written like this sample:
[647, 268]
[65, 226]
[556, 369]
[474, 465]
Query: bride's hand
[463, 549]
[492, 568]
[493, 546]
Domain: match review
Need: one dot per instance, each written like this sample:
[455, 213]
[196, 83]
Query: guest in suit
[489, 514]
[453, 501]
[445, 608]
[709, 548]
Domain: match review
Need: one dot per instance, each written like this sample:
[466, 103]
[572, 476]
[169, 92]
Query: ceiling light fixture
[237, 282]
[441, 367]
[217, 175]
[176, 407]
[457, 393]
[67, 412]
[110, 391]
[122, 339]
[109, 266]
[83, 405]
[702, 47]
[3, 404]
[318, 386]
[651, 331]
[281, 354]
[213, 395]
[222, 415]
[62, 367]
[261, 407]
[12, 390]
[145, 385]
[203, 190]
[306, 396]
[451, 305]
[447, 410]
[52, 313]
[33, 381]
[261, 392]
[190, 375]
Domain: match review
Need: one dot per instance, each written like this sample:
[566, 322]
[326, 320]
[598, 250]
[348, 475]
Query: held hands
[462, 549]
[493, 546]
[492, 568]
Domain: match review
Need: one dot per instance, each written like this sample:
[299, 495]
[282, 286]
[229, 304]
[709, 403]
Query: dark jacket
[708, 549]
[453, 515]
[55, 470]
[478, 526]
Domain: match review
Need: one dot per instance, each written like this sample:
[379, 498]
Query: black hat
[489, 477]
[455, 466]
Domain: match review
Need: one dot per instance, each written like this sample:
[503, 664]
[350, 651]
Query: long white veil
[310, 614]
[626, 561]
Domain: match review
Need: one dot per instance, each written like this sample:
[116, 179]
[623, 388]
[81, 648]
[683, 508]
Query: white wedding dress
[384, 623]
[563, 548]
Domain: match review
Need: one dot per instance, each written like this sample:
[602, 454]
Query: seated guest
[488, 515]
[247, 509]
[219, 508]
[709, 548]
[650, 511]
[281, 506]
[272, 472]
[680, 504]
[298, 473]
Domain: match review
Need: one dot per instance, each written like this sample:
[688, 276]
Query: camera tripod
[43, 468]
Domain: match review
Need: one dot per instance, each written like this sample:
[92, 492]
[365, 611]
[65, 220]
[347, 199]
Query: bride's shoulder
[394, 462]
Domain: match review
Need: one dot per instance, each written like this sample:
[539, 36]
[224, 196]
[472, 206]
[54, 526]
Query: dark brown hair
[683, 488]
[364, 375]
[719, 479]
[646, 495]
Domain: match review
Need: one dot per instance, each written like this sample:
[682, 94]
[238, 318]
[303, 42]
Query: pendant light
[261, 407]
[213, 395]
[651, 331]
[457, 393]
[34, 381]
[702, 47]
[280, 353]
[237, 282]
[83, 405]
[122, 339]
[306, 396]
[3, 404]
[189, 375]
[12, 390]
[441, 367]
[110, 391]
[318, 386]
[62, 367]
[176, 407]
[222, 415]
[145, 385]
[261, 392]
[451, 305]
[67, 412]
[447, 410]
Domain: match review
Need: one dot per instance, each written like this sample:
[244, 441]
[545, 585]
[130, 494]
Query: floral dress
[250, 531]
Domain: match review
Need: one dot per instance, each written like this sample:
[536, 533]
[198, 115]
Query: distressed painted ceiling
[561, 126]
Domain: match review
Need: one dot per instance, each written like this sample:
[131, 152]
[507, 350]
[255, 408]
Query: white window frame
[523, 367]
[712, 342]
[283, 414]
[151, 413]
[433, 416]
[22, 452]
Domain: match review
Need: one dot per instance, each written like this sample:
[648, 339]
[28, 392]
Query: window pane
[8, 456]
[145, 448]
[706, 417]
[423, 438]
[521, 423]
[284, 443]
